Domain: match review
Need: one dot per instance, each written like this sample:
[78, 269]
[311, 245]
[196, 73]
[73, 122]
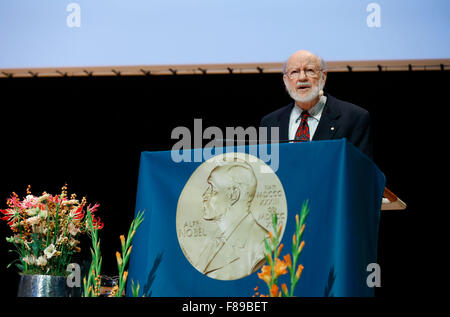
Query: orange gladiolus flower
[266, 274]
[284, 288]
[287, 259]
[280, 248]
[119, 258]
[300, 247]
[269, 256]
[299, 271]
[302, 229]
[280, 267]
[275, 291]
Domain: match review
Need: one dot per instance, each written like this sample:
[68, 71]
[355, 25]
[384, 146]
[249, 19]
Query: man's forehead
[302, 58]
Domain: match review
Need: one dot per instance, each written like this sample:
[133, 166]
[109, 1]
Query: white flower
[26, 244]
[73, 230]
[61, 240]
[70, 202]
[41, 261]
[31, 211]
[50, 251]
[29, 259]
[42, 198]
[33, 220]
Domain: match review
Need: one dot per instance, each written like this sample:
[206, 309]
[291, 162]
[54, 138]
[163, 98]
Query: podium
[343, 186]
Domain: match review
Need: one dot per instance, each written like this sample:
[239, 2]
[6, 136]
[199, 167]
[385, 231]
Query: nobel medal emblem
[224, 213]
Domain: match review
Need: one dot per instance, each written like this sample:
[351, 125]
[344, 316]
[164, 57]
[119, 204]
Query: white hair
[323, 65]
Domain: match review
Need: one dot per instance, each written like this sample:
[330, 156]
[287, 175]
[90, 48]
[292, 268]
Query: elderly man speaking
[314, 115]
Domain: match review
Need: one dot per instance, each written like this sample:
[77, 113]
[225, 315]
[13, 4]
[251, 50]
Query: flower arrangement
[46, 230]
[277, 267]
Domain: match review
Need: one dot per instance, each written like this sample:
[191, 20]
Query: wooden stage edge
[148, 70]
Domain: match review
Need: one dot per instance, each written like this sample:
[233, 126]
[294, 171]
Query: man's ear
[324, 77]
[285, 80]
[235, 194]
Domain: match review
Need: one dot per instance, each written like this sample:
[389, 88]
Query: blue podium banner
[343, 186]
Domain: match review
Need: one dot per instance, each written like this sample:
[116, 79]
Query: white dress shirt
[313, 120]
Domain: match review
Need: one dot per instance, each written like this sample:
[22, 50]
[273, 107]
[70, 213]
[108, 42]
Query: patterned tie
[302, 134]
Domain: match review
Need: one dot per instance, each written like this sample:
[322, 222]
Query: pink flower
[13, 202]
[93, 208]
[29, 202]
[57, 200]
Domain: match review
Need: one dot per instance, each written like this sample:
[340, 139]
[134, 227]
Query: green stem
[48, 225]
[125, 255]
[56, 224]
[274, 252]
[96, 262]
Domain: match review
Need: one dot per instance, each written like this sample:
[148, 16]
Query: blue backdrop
[344, 188]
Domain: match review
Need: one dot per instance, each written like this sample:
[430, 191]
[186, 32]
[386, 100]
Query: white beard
[313, 94]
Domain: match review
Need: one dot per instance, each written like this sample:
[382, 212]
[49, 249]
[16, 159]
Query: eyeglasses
[309, 72]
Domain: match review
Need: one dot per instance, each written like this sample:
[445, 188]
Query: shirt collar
[315, 112]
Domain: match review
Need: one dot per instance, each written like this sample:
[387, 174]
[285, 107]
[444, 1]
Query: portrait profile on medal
[224, 214]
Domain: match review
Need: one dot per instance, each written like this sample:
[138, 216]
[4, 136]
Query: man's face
[304, 77]
[216, 200]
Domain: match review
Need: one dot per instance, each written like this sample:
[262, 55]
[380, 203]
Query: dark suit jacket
[340, 119]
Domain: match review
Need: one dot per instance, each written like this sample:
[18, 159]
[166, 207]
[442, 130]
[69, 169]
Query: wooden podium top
[391, 201]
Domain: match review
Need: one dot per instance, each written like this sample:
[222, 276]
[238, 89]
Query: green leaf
[99, 267]
[274, 222]
[15, 251]
[304, 212]
[139, 218]
[16, 260]
[267, 258]
[268, 249]
[135, 289]
[36, 245]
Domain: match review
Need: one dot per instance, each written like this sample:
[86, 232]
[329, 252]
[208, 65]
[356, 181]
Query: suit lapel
[284, 123]
[328, 124]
